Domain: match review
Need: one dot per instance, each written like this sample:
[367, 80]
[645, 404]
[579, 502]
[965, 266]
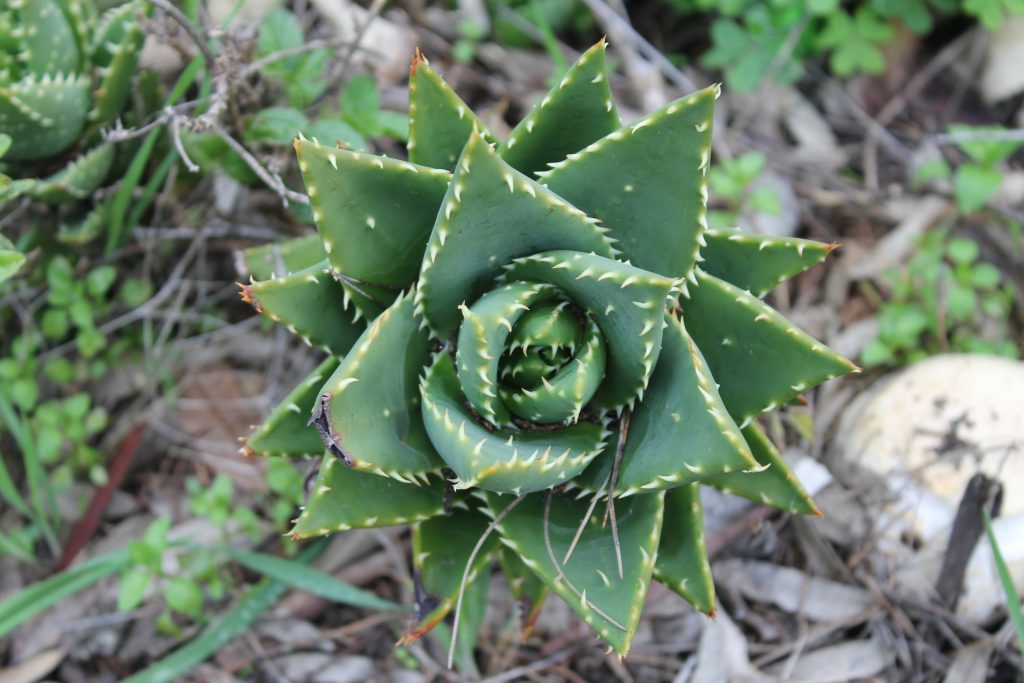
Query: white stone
[1002, 76]
[924, 432]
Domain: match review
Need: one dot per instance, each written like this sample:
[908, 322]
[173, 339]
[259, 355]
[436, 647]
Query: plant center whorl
[525, 351]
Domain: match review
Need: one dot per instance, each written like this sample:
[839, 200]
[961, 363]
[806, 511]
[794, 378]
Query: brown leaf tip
[417, 59]
[246, 293]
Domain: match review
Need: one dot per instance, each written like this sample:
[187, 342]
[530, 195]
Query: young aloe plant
[65, 72]
[538, 352]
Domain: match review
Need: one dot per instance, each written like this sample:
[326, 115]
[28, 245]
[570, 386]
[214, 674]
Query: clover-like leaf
[757, 263]
[541, 529]
[492, 214]
[682, 563]
[374, 215]
[344, 498]
[759, 358]
[369, 412]
[310, 304]
[647, 183]
[577, 111]
[286, 430]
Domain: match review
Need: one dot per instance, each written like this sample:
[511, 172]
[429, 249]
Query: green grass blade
[132, 177]
[1012, 596]
[9, 492]
[152, 187]
[299, 575]
[9, 546]
[219, 633]
[40, 491]
[223, 629]
[31, 601]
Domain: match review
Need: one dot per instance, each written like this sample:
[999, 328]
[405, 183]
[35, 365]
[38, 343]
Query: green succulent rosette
[520, 330]
[66, 71]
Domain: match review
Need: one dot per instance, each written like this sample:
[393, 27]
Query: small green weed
[731, 180]
[352, 120]
[196, 572]
[752, 41]
[53, 348]
[944, 299]
[976, 180]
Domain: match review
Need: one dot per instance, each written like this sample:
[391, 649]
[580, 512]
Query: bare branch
[271, 180]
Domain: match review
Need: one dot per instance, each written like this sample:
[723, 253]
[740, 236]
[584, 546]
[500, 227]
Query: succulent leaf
[374, 214]
[526, 587]
[310, 304]
[369, 408]
[440, 123]
[49, 42]
[757, 263]
[647, 183]
[81, 15]
[86, 229]
[492, 214]
[682, 563]
[566, 387]
[79, 179]
[680, 432]
[502, 460]
[577, 111]
[627, 303]
[65, 72]
[545, 359]
[483, 336]
[343, 498]
[759, 358]
[441, 549]
[589, 581]
[281, 258]
[471, 622]
[286, 430]
[772, 483]
[44, 115]
[116, 49]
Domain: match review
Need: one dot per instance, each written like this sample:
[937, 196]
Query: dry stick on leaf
[469, 564]
[558, 567]
[613, 480]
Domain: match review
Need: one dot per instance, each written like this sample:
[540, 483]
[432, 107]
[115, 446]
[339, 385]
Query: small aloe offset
[537, 350]
[65, 72]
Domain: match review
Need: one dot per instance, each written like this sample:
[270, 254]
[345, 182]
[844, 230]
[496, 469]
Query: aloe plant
[65, 72]
[537, 351]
